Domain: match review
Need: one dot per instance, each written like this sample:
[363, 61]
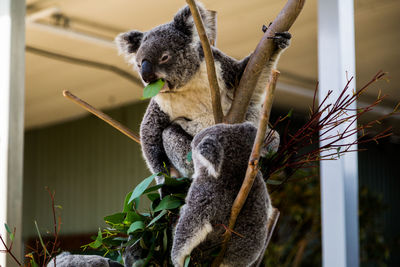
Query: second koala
[173, 52]
[220, 155]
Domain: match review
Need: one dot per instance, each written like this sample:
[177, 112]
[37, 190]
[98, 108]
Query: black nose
[147, 72]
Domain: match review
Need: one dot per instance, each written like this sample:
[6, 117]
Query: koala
[173, 52]
[66, 259]
[220, 155]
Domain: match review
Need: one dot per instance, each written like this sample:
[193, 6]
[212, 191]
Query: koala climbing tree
[172, 52]
[242, 83]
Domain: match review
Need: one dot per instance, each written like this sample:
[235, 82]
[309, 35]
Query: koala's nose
[147, 72]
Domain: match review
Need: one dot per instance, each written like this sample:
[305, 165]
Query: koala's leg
[177, 146]
[66, 259]
[153, 124]
[192, 228]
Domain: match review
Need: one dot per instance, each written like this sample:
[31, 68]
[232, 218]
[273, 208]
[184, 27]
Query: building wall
[90, 165]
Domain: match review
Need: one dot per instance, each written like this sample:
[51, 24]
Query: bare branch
[252, 168]
[212, 76]
[259, 59]
[101, 115]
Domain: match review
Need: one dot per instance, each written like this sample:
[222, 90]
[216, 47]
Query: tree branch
[212, 77]
[252, 168]
[259, 59]
[101, 115]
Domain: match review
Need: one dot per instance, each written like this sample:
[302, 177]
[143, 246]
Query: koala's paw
[282, 39]
[271, 143]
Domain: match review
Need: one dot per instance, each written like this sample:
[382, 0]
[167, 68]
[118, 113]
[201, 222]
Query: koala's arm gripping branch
[252, 168]
[259, 59]
[212, 76]
[101, 115]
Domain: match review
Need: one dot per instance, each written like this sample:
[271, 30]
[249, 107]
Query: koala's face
[223, 148]
[169, 51]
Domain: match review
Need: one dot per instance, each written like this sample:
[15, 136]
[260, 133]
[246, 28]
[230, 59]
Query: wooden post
[12, 77]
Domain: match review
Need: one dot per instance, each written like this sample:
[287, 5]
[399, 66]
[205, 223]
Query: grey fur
[183, 71]
[133, 256]
[66, 259]
[220, 155]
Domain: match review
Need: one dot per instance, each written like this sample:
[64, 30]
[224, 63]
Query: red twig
[322, 121]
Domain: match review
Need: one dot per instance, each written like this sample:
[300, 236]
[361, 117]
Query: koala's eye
[138, 65]
[164, 58]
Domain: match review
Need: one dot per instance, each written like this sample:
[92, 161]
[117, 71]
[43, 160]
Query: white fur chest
[193, 102]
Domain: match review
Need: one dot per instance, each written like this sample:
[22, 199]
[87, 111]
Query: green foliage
[296, 240]
[149, 229]
[153, 89]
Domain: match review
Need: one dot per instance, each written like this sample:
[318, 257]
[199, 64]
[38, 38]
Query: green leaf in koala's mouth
[153, 89]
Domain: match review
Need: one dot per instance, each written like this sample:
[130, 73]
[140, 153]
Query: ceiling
[69, 46]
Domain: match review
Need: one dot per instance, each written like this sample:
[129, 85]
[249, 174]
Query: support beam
[339, 179]
[12, 77]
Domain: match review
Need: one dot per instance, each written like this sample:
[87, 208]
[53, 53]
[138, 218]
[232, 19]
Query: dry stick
[102, 116]
[212, 77]
[259, 59]
[252, 168]
[123, 129]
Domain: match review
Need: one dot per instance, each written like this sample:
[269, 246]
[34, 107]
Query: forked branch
[259, 59]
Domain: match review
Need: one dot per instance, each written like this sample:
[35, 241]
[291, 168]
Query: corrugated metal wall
[90, 165]
[379, 170]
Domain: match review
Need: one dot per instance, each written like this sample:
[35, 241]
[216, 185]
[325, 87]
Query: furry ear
[209, 154]
[129, 42]
[183, 21]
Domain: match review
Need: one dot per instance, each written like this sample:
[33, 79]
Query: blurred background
[91, 166]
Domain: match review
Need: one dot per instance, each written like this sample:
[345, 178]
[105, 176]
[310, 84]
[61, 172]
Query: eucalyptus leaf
[159, 216]
[153, 89]
[115, 218]
[189, 156]
[7, 228]
[99, 240]
[175, 181]
[33, 263]
[128, 206]
[165, 240]
[11, 234]
[140, 188]
[152, 188]
[273, 182]
[139, 225]
[153, 196]
[187, 261]
[132, 216]
[168, 203]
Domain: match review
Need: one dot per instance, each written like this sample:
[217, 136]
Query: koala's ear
[209, 154]
[183, 21]
[129, 42]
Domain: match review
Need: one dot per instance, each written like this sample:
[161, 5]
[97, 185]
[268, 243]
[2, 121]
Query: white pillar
[339, 179]
[12, 77]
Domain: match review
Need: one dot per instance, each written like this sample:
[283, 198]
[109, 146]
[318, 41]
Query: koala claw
[265, 28]
[282, 39]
